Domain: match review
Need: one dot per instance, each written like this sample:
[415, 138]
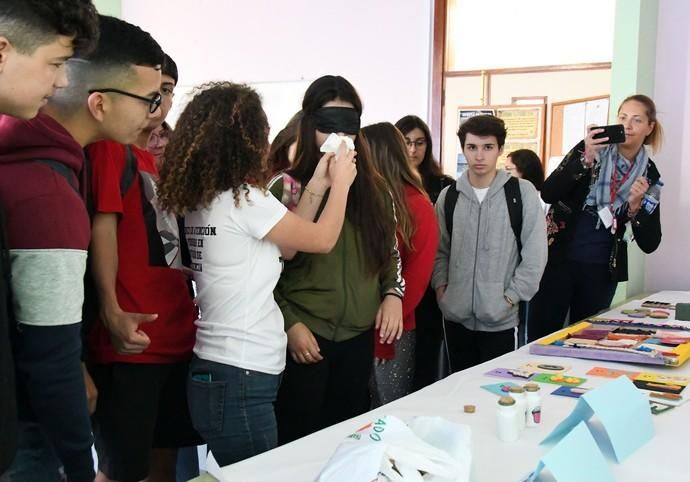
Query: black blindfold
[337, 119]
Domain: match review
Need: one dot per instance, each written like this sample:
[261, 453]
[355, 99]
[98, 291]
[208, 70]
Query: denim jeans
[232, 409]
[35, 459]
[187, 466]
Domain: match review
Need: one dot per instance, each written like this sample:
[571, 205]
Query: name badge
[606, 217]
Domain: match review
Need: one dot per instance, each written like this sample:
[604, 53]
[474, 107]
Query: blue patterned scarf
[610, 159]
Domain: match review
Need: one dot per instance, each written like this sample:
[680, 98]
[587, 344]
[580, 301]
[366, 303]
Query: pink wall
[382, 46]
[669, 266]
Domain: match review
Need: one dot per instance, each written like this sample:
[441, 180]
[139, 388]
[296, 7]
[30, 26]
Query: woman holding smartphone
[215, 174]
[331, 303]
[596, 190]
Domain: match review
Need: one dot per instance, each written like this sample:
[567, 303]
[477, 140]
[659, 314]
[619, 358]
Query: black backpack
[513, 200]
[129, 174]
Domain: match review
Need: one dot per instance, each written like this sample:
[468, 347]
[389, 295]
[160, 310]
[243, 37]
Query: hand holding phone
[614, 134]
[596, 139]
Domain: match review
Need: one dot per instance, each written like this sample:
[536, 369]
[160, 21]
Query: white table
[665, 458]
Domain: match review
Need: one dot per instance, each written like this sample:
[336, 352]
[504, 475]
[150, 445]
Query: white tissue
[333, 143]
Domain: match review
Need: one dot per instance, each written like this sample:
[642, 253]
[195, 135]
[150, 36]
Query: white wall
[280, 46]
[488, 34]
[669, 266]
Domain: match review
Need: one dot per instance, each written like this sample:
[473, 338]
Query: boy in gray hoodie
[481, 273]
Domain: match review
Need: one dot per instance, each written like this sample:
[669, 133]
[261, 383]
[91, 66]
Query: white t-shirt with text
[235, 271]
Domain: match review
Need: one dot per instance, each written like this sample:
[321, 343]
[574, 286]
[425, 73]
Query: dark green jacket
[333, 294]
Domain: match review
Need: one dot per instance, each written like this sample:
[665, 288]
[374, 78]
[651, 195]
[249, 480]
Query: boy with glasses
[142, 344]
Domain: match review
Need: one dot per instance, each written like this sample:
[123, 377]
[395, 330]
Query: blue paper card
[591, 464]
[498, 388]
[574, 392]
[623, 412]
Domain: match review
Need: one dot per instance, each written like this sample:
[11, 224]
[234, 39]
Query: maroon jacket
[48, 225]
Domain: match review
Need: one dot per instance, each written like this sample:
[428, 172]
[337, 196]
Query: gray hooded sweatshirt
[482, 265]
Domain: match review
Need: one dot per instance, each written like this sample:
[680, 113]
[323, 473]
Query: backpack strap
[62, 170]
[514, 202]
[129, 173]
[449, 203]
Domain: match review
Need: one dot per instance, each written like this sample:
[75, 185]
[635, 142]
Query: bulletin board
[570, 118]
[526, 126]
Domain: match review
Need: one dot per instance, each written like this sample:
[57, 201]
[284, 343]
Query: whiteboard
[575, 117]
[280, 99]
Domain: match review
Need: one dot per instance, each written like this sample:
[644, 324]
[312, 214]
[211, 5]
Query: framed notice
[525, 125]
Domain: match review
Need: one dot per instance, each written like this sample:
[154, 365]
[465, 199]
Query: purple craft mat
[593, 354]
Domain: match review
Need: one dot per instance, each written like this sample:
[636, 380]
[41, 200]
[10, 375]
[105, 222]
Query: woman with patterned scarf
[594, 193]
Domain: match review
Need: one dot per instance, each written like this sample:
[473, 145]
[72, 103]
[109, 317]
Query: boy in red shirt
[143, 343]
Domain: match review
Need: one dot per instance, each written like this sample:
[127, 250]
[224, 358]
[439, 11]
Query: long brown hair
[656, 137]
[366, 204]
[220, 144]
[429, 167]
[389, 154]
[278, 155]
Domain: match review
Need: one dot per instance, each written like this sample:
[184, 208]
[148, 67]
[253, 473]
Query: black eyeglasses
[153, 102]
[417, 142]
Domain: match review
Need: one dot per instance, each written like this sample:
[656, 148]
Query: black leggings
[315, 396]
[467, 348]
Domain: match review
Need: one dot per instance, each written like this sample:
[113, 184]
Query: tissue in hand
[333, 143]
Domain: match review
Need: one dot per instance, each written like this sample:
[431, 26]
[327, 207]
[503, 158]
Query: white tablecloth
[665, 458]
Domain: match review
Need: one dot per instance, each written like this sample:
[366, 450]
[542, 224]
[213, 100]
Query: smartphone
[615, 133]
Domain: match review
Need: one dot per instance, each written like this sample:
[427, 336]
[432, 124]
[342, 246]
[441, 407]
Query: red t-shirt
[148, 251]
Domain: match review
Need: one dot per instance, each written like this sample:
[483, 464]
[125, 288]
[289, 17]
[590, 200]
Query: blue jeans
[232, 409]
[35, 459]
[187, 466]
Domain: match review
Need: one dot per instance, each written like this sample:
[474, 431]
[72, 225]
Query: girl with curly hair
[332, 302]
[215, 174]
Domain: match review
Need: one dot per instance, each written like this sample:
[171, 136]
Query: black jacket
[566, 190]
[8, 407]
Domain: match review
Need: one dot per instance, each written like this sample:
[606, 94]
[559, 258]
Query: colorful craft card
[513, 374]
[658, 387]
[499, 389]
[656, 382]
[544, 367]
[576, 458]
[573, 392]
[660, 378]
[623, 412]
[658, 304]
[558, 379]
[611, 373]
